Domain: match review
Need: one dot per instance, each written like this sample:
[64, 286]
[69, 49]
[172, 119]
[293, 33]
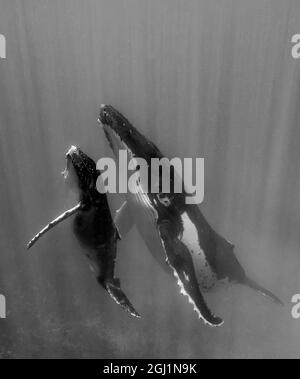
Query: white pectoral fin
[53, 223]
[179, 259]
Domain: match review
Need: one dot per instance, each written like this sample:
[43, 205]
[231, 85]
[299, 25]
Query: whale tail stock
[256, 287]
[235, 272]
[227, 265]
[105, 262]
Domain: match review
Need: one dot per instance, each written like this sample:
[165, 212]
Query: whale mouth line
[115, 140]
[109, 131]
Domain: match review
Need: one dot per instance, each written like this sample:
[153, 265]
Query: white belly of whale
[205, 275]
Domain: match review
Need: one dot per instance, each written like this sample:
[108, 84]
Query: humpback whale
[194, 252]
[93, 225]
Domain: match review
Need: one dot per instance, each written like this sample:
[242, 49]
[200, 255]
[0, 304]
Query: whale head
[122, 135]
[80, 172]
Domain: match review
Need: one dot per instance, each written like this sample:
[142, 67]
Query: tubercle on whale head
[105, 114]
[80, 169]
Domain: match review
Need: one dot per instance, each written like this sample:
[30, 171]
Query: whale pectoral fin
[124, 219]
[53, 223]
[180, 260]
[106, 262]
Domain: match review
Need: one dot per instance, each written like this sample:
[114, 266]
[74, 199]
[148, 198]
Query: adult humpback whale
[196, 254]
[93, 225]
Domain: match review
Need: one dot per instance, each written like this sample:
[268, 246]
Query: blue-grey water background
[201, 78]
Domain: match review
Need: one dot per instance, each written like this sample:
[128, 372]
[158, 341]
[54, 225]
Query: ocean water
[200, 78]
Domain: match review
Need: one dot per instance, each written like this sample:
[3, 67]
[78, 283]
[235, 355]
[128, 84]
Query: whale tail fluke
[256, 287]
[119, 297]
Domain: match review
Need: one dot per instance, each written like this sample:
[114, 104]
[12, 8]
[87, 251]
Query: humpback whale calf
[93, 224]
[196, 254]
